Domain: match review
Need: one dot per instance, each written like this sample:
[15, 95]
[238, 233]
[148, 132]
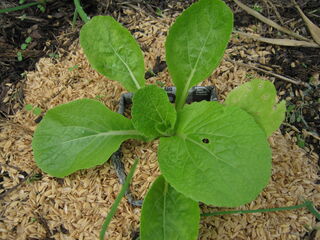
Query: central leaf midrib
[110, 133]
[136, 83]
[101, 134]
[194, 68]
[164, 209]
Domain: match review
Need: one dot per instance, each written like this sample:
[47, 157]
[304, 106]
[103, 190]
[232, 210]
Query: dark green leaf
[168, 214]
[112, 51]
[78, 135]
[219, 156]
[196, 43]
[152, 113]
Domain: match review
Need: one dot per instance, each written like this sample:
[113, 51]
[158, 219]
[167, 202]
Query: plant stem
[118, 199]
[81, 12]
[307, 204]
[74, 19]
[312, 209]
[6, 10]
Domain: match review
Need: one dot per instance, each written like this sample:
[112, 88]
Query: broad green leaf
[219, 155]
[78, 135]
[259, 98]
[113, 52]
[168, 214]
[196, 43]
[152, 113]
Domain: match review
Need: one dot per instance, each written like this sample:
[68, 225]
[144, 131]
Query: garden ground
[37, 206]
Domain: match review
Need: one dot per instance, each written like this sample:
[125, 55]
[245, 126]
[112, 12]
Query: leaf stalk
[81, 12]
[307, 204]
[114, 207]
[6, 10]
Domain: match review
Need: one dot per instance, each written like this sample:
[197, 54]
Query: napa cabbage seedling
[209, 152]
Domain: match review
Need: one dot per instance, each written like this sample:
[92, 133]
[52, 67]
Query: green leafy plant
[23, 47]
[209, 152]
[34, 109]
[257, 7]
[73, 67]
[54, 55]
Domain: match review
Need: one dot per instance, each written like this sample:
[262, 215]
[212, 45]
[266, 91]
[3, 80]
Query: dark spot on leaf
[205, 140]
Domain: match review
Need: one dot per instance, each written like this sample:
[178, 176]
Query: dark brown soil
[43, 28]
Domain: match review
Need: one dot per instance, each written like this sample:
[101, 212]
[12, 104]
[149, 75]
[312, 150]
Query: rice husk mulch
[75, 207]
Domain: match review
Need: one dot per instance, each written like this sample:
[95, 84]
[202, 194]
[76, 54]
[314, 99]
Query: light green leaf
[28, 40]
[37, 111]
[196, 43]
[113, 52]
[152, 113]
[259, 98]
[220, 155]
[24, 46]
[19, 56]
[78, 135]
[28, 107]
[168, 214]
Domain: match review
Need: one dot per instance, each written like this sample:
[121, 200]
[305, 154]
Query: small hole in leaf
[205, 140]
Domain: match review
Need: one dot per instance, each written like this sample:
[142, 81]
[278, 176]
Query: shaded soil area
[45, 27]
[42, 27]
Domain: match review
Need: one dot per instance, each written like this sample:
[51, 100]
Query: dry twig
[313, 29]
[269, 22]
[304, 132]
[281, 42]
[296, 82]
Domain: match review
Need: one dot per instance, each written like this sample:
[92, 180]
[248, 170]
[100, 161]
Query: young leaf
[168, 214]
[113, 52]
[196, 43]
[28, 40]
[152, 113]
[258, 97]
[219, 155]
[78, 135]
[24, 46]
[28, 107]
[37, 111]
